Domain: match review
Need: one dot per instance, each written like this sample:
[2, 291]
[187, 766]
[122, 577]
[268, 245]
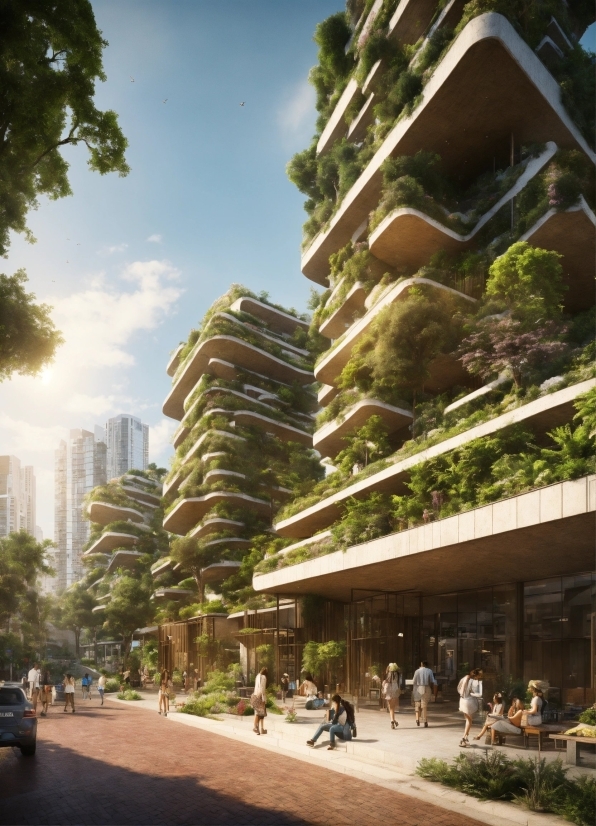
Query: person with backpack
[470, 700]
[85, 687]
[341, 725]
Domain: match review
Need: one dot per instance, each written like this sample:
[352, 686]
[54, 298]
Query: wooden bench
[572, 743]
[542, 732]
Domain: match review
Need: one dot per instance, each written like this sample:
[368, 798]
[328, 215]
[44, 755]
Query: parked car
[18, 720]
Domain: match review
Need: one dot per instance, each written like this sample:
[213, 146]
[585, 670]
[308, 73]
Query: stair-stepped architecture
[242, 393]
[419, 202]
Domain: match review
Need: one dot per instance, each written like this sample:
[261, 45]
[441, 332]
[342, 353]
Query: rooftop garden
[326, 178]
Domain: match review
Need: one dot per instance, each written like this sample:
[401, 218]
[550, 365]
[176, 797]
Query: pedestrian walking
[101, 686]
[284, 684]
[470, 700]
[423, 685]
[46, 692]
[164, 692]
[85, 685]
[259, 701]
[69, 692]
[185, 681]
[392, 691]
[33, 681]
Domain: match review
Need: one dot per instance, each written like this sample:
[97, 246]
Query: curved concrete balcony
[188, 512]
[572, 234]
[410, 21]
[174, 362]
[329, 368]
[219, 571]
[326, 394]
[173, 594]
[110, 540]
[172, 485]
[239, 353]
[291, 349]
[344, 316]
[497, 86]
[215, 525]
[542, 415]
[148, 483]
[102, 513]
[285, 432]
[330, 438]
[336, 127]
[220, 475]
[124, 559]
[98, 609]
[151, 500]
[550, 527]
[161, 566]
[230, 542]
[408, 238]
[276, 319]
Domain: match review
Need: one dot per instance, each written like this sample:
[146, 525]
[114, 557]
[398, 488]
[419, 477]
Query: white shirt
[33, 678]
[423, 676]
[261, 686]
[310, 689]
[101, 683]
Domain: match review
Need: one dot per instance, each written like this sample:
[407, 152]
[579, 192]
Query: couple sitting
[341, 724]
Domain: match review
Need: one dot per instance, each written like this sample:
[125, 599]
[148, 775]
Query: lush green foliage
[50, 60]
[129, 695]
[28, 338]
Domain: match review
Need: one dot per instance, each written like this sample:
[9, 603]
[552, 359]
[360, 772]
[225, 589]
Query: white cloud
[17, 436]
[94, 405]
[112, 250]
[296, 115]
[99, 322]
[160, 436]
[155, 239]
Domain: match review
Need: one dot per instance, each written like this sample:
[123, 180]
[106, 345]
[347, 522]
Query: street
[124, 765]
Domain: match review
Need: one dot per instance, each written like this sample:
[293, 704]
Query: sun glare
[46, 375]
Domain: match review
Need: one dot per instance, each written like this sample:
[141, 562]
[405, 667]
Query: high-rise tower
[127, 440]
[17, 496]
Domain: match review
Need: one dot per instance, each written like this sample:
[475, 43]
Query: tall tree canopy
[50, 59]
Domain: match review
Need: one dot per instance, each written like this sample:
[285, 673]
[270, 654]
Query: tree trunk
[95, 645]
[77, 633]
[127, 639]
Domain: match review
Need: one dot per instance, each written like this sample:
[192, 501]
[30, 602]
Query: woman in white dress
[470, 700]
[391, 690]
[260, 701]
[497, 710]
[536, 688]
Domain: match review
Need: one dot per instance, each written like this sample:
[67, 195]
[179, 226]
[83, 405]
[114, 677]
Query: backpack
[351, 717]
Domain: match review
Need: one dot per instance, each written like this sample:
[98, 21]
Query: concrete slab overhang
[174, 361]
[336, 127]
[329, 368]
[172, 593]
[140, 480]
[216, 525]
[110, 540]
[551, 528]
[285, 432]
[188, 512]
[410, 20]
[230, 542]
[352, 305]
[408, 238]
[497, 86]
[221, 475]
[326, 394]
[330, 438]
[102, 513]
[123, 559]
[542, 415]
[265, 334]
[241, 354]
[572, 234]
[161, 566]
[276, 319]
[219, 571]
[150, 499]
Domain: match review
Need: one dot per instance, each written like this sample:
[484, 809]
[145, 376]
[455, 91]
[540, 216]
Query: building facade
[17, 496]
[127, 440]
[80, 465]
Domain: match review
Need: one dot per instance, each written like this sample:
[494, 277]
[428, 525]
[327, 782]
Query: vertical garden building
[450, 229]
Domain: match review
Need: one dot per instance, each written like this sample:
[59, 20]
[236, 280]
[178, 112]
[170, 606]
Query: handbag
[258, 704]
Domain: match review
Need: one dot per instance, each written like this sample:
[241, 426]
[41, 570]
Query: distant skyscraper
[80, 465]
[127, 439]
[17, 496]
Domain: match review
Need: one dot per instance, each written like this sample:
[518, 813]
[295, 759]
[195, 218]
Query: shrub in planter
[129, 695]
[112, 685]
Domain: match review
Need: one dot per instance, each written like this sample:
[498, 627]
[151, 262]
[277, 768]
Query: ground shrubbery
[112, 685]
[534, 783]
[218, 696]
[129, 695]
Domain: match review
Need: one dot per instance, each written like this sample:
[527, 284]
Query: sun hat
[539, 685]
[393, 667]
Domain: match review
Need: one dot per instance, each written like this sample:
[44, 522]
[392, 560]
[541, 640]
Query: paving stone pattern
[124, 765]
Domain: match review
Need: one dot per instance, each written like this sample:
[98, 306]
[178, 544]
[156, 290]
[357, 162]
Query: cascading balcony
[102, 513]
[188, 512]
[110, 540]
[330, 438]
[123, 559]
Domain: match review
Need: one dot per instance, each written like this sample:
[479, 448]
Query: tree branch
[63, 142]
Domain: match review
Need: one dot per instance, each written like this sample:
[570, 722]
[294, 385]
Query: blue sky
[131, 264]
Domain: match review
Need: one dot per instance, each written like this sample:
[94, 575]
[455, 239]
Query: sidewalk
[378, 755]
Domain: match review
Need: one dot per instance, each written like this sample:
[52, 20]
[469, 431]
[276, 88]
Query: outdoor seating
[573, 744]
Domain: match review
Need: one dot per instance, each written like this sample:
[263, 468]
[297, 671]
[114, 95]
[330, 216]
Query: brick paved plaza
[124, 765]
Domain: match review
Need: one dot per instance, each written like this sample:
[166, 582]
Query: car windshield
[11, 697]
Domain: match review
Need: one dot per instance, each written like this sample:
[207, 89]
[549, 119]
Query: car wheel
[28, 751]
